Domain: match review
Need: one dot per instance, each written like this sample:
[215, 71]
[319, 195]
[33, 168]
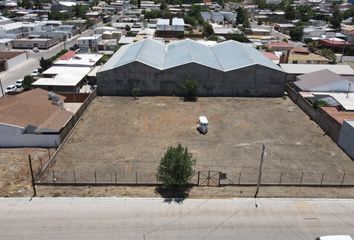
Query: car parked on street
[10, 88]
[18, 83]
[35, 73]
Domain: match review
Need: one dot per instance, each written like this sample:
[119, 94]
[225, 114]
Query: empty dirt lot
[119, 138]
[15, 178]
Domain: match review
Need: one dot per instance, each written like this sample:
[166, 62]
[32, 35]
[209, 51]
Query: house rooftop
[32, 108]
[323, 80]
[88, 60]
[341, 69]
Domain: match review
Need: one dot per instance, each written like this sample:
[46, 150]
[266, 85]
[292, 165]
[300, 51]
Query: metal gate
[209, 178]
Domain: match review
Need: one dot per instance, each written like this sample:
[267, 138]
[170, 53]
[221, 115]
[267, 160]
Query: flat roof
[64, 76]
[346, 102]
[341, 69]
[80, 59]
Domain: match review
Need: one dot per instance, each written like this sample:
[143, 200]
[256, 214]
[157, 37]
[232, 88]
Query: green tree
[135, 93]
[289, 13]
[27, 82]
[38, 4]
[176, 167]
[190, 88]
[336, 18]
[296, 33]
[27, 4]
[207, 29]
[241, 15]
[45, 63]
[127, 28]
[312, 46]
[163, 6]
[304, 12]
[80, 11]
[139, 4]
[327, 53]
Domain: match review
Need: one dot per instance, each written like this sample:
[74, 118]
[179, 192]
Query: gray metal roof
[226, 56]
[323, 81]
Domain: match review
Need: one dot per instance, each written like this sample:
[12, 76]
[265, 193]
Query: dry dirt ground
[15, 178]
[119, 138]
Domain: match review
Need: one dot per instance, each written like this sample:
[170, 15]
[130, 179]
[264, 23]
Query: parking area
[121, 139]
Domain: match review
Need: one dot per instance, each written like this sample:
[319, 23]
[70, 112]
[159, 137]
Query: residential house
[90, 42]
[32, 119]
[303, 56]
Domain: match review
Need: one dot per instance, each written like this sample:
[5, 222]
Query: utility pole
[2, 90]
[260, 171]
[32, 176]
[348, 90]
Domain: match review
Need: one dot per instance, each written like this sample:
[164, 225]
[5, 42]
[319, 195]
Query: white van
[203, 124]
[335, 237]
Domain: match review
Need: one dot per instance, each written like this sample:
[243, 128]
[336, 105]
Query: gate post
[198, 178]
[208, 178]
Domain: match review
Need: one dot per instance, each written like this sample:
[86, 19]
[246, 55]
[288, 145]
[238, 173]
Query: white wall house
[30, 119]
[90, 42]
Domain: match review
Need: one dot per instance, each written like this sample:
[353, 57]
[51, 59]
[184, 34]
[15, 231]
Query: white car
[35, 73]
[203, 124]
[11, 88]
[18, 83]
[35, 49]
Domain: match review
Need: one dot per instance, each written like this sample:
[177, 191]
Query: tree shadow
[177, 195]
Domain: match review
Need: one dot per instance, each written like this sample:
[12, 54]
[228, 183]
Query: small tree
[27, 82]
[176, 167]
[127, 28]
[190, 88]
[136, 93]
[45, 63]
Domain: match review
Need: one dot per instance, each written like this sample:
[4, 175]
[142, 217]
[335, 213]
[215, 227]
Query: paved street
[114, 218]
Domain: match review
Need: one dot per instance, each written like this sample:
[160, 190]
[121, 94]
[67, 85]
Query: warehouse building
[225, 69]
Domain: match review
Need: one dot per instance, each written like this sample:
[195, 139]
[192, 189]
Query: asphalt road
[114, 218]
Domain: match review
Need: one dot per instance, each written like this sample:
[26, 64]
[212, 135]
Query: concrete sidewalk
[116, 218]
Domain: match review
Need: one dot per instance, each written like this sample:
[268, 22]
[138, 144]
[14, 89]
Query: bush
[27, 82]
[136, 93]
[190, 88]
[176, 167]
[319, 103]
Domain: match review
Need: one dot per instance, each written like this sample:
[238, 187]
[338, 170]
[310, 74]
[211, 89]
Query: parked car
[11, 88]
[18, 83]
[335, 237]
[35, 73]
[203, 124]
[35, 49]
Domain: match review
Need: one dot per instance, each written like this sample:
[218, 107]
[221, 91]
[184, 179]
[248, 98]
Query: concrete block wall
[252, 81]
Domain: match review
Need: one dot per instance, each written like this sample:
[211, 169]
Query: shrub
[136, 93]
[176, 167]
[190, 88]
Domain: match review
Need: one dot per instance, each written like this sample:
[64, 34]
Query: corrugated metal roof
[341, 69]
[323, 80]
[224, 56]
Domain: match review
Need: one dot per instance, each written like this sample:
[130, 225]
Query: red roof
[278, 44]
[270, 55]
[334, 43]
[339, 116]
[66, 56]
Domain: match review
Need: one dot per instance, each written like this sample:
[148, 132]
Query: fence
[326, 122]
[200, 178]
[66, 130]
[64, 133]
